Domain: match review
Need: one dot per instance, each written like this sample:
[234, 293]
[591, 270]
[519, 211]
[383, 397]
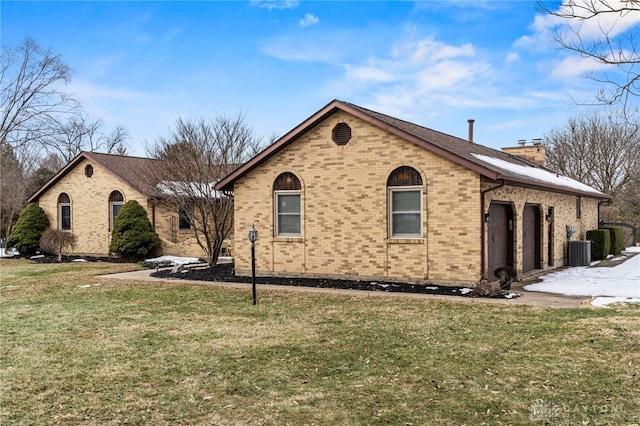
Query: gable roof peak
[473, 156]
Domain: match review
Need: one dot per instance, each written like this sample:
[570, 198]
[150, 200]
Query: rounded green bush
[26, 233]
[133, 236]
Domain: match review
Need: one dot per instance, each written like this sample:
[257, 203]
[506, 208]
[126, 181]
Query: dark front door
[499, 237]
[531, 238]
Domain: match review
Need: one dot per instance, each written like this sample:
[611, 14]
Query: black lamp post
[253, 236]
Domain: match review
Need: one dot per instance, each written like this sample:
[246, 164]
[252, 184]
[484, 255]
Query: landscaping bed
[226, 273]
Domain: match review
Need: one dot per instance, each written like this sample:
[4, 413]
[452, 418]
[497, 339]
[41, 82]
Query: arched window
[64, 212]
[404, 185]
[287, 192]
[116, 201]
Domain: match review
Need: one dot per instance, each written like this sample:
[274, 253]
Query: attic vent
[341, 134]
[88, 170]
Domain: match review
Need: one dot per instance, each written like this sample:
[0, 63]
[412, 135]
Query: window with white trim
[64, 212]
[287, 192]
[405, 203]
[116, 201]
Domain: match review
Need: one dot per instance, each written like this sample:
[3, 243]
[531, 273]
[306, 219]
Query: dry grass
[81, 350]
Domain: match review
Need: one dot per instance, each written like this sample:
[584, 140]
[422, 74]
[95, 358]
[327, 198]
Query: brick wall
[90, 212]
[344, 199]
[564, 214]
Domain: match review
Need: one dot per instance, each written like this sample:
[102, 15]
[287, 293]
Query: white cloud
[86, 90]
[368, 73]
[275, 4]
[511, 58]
[575, 66]
[309, 20]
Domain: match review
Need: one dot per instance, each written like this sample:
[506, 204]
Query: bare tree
[601, 150]
[11, 188]
[23, 170]
[195, 156]
[31, 103]
[80, 133]
[607, 31]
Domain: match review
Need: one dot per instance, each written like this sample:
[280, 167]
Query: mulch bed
[226, 273]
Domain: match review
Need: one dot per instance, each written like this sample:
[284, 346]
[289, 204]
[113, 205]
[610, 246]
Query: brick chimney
[535, 152]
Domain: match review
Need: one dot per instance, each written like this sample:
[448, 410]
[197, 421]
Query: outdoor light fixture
[253, 236]
[487, 218]
[549, 217]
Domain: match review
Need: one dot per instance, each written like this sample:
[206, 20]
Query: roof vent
[341, 134]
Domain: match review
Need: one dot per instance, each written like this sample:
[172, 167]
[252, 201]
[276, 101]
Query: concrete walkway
[531, 298]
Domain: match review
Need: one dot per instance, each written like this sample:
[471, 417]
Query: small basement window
[341, 134]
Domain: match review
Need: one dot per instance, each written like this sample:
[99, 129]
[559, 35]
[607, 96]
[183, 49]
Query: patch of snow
[79, 260]
[621, 281]
[173, 260]
[10, 252]
[631, 250]
[511, 296]
[432, 288]
[37, 256]
[537, 174]
[605, 301]
[466, 290]
[89, 285]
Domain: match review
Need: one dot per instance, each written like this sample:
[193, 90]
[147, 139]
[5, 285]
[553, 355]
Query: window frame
[578, 207]
[61, 207]
[183, 218]
[277, 214]
[112, 216]
[399, 189]
[112, 204]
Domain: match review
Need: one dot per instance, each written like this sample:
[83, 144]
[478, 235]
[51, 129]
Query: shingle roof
[492, 164]
[128, 169]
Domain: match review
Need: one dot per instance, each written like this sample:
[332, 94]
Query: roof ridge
[372, 112]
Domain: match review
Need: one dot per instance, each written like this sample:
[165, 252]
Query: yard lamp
[253, 236]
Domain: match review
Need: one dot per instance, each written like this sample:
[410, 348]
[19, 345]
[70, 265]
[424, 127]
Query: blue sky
[141, 64]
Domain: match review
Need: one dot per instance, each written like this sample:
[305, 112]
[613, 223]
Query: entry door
[531, 241]
[499, 237]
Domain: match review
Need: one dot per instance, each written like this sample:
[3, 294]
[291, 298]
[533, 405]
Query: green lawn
[80, 350]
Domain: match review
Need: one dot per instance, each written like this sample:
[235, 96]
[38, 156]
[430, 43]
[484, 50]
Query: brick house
[86, 195]
[356, 194]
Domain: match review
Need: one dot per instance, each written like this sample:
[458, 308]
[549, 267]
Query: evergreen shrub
[616, 237]
[600, 243]
[26, 233]
[133, 236]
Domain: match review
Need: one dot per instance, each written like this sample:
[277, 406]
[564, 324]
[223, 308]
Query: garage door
[499, 237]
[531, 241]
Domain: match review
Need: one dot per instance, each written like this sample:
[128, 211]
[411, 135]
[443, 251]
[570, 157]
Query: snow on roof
[183, 189]
[538, 174]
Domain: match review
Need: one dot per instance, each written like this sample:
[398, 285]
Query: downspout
[482, 226]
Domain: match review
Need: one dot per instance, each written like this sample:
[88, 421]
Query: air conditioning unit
[579, 253]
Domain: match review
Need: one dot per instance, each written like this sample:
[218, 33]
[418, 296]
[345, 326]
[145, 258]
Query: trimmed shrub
[600, 243]
[54, 241]
[133, 236]
[617, 242]
[26, 233]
